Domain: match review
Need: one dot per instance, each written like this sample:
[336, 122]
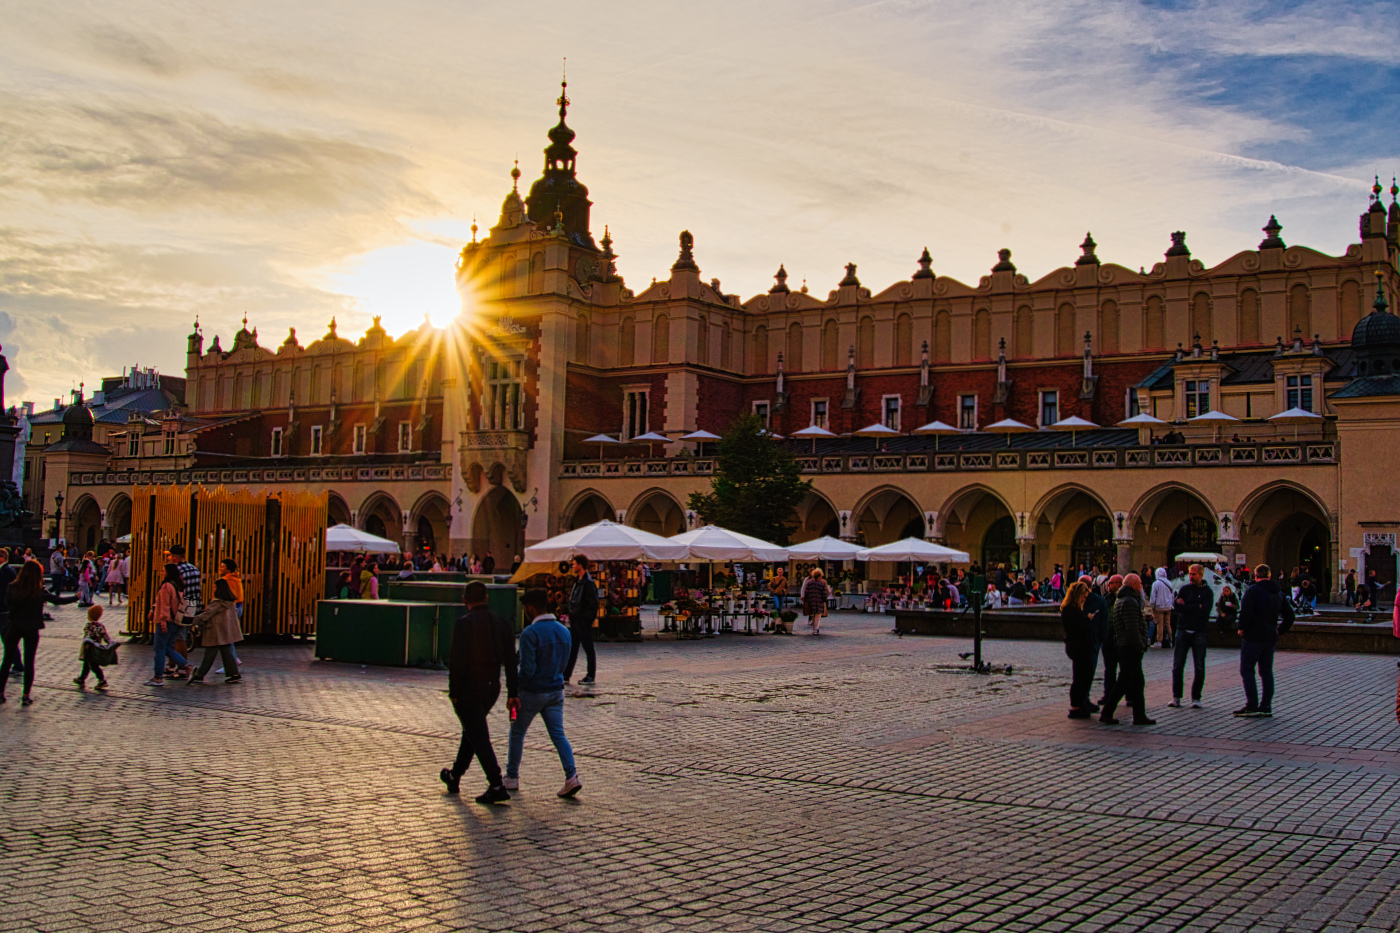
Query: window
[1049, 407]
[1197, 397]
[133, 444]
[277, 442]
[634, 413]
[1134, 403]
[967, 412]
[405, 436]
[891, 411]
[360, 437]
[819, 412]
[761, 409]
[317, 432]
[1300, 393]
[169, 444]
[505, 409]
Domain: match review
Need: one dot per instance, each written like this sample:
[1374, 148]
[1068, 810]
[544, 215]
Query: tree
[756, 484]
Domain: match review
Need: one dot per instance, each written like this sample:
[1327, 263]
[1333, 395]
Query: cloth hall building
[473, 438]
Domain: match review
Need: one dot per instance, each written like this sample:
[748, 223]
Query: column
[1125, 555]
[1027, 553]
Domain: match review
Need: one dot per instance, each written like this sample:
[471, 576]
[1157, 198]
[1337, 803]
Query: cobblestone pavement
[857, 781]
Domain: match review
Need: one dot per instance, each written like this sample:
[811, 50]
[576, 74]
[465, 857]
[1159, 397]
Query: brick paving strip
[853, 782]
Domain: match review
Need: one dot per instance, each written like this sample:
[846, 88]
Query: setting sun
[403, 283]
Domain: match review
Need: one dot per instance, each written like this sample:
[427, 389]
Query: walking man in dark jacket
[1129, 629]
[583, 609]
[1264, 615]
[1194, 601]
[482, 643]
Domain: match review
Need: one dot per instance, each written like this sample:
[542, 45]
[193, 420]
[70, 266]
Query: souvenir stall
[909, 550]
[729, 606]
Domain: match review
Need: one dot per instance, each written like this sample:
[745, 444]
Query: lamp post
[58, 515]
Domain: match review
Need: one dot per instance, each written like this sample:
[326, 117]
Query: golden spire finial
[563, 100]
[515, 177]
[473, 228]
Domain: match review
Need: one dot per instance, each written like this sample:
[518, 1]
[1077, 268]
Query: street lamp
[58, 515]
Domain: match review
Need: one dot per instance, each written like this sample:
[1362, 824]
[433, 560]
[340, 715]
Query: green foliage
[756, 485]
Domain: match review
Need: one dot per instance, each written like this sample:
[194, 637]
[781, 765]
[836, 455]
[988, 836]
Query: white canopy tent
[916, 550]
[824, 548]
[605, 541]
[713, 543]
[349, 538]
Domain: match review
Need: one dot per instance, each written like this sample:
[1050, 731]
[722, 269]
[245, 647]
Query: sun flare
[403, 283]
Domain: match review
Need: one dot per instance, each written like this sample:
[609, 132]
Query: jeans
[550, 708]
[12, 653]
[165, 647]
[778, 603]
[471, 709]
[1110, 667]
[1257, 654]
[1194, 643]
[581, 635]
[1131, 685]
[213, 651]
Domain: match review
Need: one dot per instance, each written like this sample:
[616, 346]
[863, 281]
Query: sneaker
[1144, 722]
[234, 679]
[154, 682]
[587, 681]
[1175, 703]
[1265, 714]
[194, 680]
[80, 683]
[510, 783]
[1197, 704]
[1079, 714]
[494, 795]
[453, 782]
[1248, 712]
[572, 786]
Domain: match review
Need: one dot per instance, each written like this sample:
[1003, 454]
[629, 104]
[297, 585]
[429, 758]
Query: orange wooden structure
[278, 541]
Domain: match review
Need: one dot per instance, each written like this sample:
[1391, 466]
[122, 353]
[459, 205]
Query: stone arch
[1350, 309]
[1158, 514]
[1060, 517]
[118, 517]
[1299, 313]
[657, 511]
[793, 361]
[1108, 328]
[628, 342]
[981, 334]
[660, 339]
[380, 515]
[968, 517]
[903, 340]
[760, 349]
[1064, 330]
[430, 522]
[865, 343]
[830, 345]
[586, 508]
[337, 510]
[943, 336]
[1286, 525]
[885, 515]
[496, 527]
[1154, 323]
[1023, 333]
[816, 516]
[1249, 317]
[84, 528]
[1202, 325]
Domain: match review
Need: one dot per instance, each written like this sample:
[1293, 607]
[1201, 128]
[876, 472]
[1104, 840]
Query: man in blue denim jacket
[544, 653]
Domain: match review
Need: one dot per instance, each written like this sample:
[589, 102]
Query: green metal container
[427, 591]
[662, 586]
[376, 631]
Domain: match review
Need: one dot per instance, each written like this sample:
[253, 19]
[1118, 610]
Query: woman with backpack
[26, 598]
[814, 595]
[167, 616]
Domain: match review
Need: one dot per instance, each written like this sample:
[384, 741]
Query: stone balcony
[495, 456]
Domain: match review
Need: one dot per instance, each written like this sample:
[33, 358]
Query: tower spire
[563, 100]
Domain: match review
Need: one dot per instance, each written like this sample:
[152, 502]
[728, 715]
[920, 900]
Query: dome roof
[77, 414]
[1377, 329]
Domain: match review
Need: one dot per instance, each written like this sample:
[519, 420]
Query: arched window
[256, 401]
[760, 349]
[724, 345]
[1022, 339]
[243, 392]
[1249, 317]
[903, 340]
[1195, 534]
[1108, 328]
[702, 336]
[1093, 545]
[865, 344]
[1299, 312]
[981, 334]
[581, 338]
[1064, 331]
[793, 361]
[830, 352]
[942, 337]
[537, 273]
[999, 544]
[628, 349]
[1154, 324]
[660, 339]
[1201, 324]
[507, 276]
[1351, 307]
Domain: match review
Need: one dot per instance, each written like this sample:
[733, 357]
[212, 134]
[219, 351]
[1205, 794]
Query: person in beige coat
[219, 625]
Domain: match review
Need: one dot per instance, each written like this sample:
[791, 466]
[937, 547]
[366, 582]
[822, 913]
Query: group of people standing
[535, 674]
[1118, 622]
[105, 569]
[179, 611]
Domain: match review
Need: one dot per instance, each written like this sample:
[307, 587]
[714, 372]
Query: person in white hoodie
[1162, 601]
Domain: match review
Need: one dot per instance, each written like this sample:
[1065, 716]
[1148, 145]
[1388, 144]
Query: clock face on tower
[584, 269]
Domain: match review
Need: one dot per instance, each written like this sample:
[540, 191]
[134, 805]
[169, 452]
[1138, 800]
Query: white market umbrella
[700, 436]
[937, 429]
[1215, 419]
[124, 539]
[770, 435]
[1295, 417]
[1073, 424]
[605, 541]
[1202, 557]
[878, 431]
[601, 440]
[916, 550]
[1143, 420]
[824, 548]
[814, 432]
[651, 437]
[1008, 426]
[713, 543]
[349, 538]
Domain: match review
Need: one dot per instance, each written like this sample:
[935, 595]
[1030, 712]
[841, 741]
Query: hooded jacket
[1162, 595]
[1264, 613]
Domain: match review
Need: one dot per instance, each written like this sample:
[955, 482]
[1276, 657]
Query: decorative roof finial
[925, 266]
[686, 259]
[606, 241]
[1004, 263]
[474, 228]
[1179, 247]
[1394, 189]
[1376, 189]
[1380, 304]
[1272, 240]
[850, 278]
[245, 320]
[563, 100]
[779, 281]
[1089, 258]
[515, 178]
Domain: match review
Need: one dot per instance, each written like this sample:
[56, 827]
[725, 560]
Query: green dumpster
[376, 631]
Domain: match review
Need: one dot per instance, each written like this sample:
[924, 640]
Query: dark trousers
[90, 668]
[1110, 667]
[214, 651]
[581, 635]
[13, 641]
[471, 709]
[1193, 643]
[1131, 685]
[1252, 654]
[1083, 678]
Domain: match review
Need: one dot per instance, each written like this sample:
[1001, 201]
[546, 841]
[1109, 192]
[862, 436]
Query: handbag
[101, 655]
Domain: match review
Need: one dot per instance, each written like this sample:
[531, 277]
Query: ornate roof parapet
[1272, 240]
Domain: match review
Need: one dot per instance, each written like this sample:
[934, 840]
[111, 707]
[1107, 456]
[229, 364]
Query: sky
[296, 161]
